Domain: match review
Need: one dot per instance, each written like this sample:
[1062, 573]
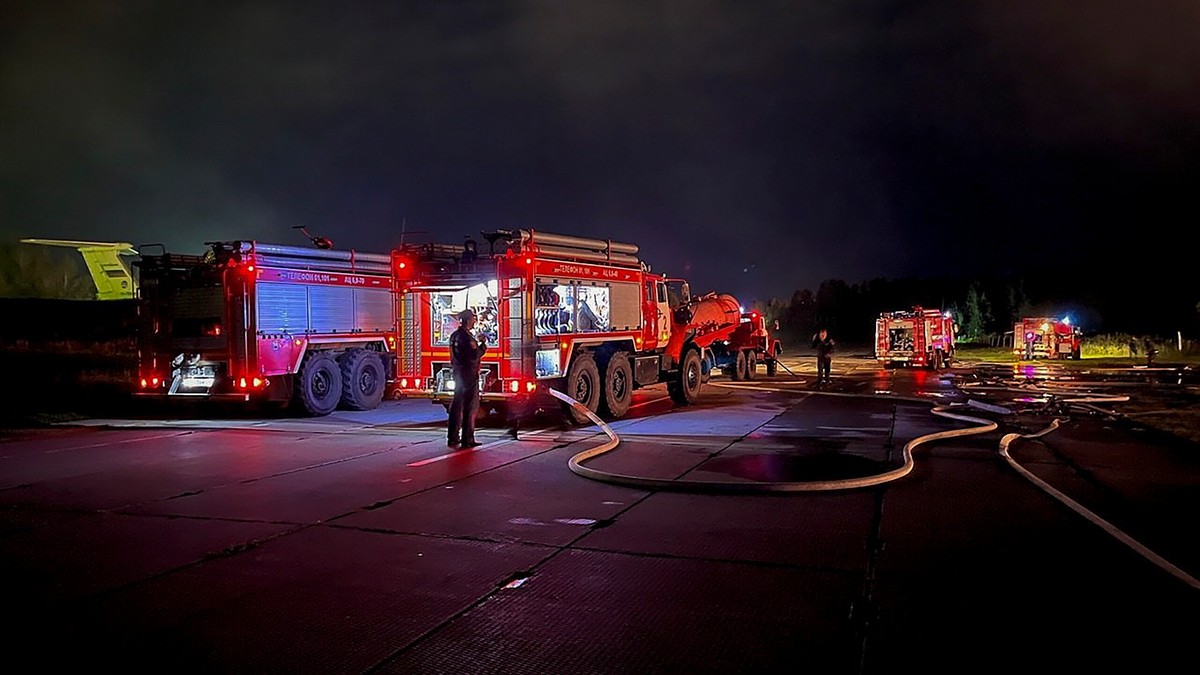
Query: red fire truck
[918, 337]
[254, 321]
[584, 316]
[1046, 338]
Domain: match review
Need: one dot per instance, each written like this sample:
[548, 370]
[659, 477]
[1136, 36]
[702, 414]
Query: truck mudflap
[200, 396]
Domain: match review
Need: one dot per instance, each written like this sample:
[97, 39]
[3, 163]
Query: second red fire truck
[919, 337]
[584, 316]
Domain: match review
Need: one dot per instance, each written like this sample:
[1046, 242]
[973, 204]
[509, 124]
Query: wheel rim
[583, 389]
[619, 385]
[321, 383]
[366, 380]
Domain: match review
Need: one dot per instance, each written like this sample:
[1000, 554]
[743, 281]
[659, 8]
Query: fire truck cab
[1046, 338]
[584, 316]
[918, 337]
[250, 321]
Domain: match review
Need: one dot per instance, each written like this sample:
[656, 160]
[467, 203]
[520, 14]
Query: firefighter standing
[465, 354]
[824, 346]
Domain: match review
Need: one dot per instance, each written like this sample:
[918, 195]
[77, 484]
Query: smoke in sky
[757, 147]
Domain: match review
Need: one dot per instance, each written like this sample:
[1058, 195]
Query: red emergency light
[402, 266]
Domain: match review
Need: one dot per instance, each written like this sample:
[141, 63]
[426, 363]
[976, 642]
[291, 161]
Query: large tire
[618, 387]
[739, 367]
[583, 385]
[772, 367]
[319, 384]
[363, 379]
[685, 388]
[751, 364]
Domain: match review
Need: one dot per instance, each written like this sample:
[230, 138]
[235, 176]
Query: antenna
[404, 231]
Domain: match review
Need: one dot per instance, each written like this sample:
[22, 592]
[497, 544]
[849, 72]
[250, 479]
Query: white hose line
[640, 482]
[1095, 519]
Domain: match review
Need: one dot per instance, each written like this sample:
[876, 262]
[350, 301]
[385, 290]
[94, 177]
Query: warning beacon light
[403, 266]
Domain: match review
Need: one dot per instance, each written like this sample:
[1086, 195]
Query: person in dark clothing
[824, 346]
[466, 352]
[1149, 350]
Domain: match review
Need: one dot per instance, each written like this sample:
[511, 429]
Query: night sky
[753, 147]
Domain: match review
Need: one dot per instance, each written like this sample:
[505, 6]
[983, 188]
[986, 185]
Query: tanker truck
[733, 341]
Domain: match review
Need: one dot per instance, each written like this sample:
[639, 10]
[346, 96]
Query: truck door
[663, 312]
[657, 313]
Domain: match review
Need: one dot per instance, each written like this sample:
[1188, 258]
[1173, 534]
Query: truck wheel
[618, 387]
[772, 367]
[751, 364]
[583, 385]
[739, 367]
[685, 388]
[363, 379]
[320, 384]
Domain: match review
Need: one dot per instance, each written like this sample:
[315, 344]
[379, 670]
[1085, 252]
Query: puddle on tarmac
[785, 468]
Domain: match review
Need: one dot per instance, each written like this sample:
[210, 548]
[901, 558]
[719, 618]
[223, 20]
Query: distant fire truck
[1046, 338]
[254, 321]
[584, 316]
[918, 337]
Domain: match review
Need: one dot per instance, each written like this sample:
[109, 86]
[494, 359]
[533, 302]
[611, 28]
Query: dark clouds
[795, 141]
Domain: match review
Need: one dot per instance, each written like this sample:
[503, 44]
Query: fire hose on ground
[744, 487]
[576, 465]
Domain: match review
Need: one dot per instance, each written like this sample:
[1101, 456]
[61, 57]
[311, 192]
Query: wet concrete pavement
[360, 543]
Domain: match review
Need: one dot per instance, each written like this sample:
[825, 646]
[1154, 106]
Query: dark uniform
[824, 346]
[465, 354]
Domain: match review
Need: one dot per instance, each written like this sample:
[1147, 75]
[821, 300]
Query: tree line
[985, 309]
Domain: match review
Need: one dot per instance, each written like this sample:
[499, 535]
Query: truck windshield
[678, 292]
